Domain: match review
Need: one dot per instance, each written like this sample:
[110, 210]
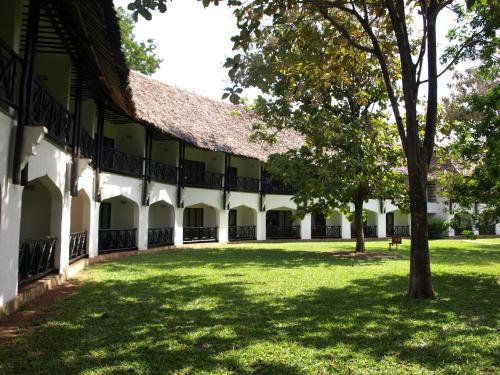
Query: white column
[451, 231]
[178, 226]
[305, 227]
[497, 229]
[62, 231]
[223, 226]
[261, 226]
[10, 224]
[381, 226]
[142, 228]
[345, 227]
[93, 240]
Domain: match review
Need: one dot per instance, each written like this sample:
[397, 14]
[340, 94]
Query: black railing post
[98, 149]
[227, 184]
[77, 130]
[147, 167]
[180, 178]
[27, 80]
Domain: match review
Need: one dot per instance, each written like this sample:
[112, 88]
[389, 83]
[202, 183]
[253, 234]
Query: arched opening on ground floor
[201, 223]
[397, 223]
[80, 226]
[41, 219]
[323, 226]
[118, 223]
[242, 224]
[370, 225]
[282, 223]
[160, 224]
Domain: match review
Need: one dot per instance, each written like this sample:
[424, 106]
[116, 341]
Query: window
[431, 191]
[193, 217]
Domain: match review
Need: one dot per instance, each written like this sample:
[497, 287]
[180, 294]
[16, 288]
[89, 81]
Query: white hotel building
[95, 158]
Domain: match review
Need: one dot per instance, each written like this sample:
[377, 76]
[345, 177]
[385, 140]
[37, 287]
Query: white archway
[118, 224]
[242, 223]
[80, 225]
[161, 221]
[397, 223]
[326, 226]
[370, 225]
[40, 230]
[281, 223]
[200, 223]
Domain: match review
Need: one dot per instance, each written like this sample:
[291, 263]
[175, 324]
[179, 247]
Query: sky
[194, 42]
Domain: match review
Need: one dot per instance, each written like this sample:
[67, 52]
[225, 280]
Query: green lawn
[272, 309]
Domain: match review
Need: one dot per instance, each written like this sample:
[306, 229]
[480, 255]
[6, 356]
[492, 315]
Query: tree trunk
[420, 283]
[358, 223]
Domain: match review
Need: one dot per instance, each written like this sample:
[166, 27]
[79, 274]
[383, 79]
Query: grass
[272, 309]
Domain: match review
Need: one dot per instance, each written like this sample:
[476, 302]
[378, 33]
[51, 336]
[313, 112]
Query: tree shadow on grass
[167, 323]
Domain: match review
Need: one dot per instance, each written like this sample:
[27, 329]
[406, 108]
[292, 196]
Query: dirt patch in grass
[29, 317]
[367, 255]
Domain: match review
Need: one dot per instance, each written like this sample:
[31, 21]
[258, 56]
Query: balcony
[87, 146]
[283, 231]
[77, 245]
[36, 259]
[398, 230]
[270, 186]
[121, 162]
[370, 231]
[160, 237]
[326, 231]
[244, 184]
[208, 180]
[10, 72]
[242, 233]
[163, 172]
[200, 234]
[117, 239]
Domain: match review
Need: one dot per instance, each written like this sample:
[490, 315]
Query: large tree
[141, 56]
[334, 96]
[410, 26]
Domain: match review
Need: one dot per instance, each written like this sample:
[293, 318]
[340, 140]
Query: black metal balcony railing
[10, 70]
[370, 231]
[160, 236]
[77, 245]
[245, 184]
[121, 162]
[326, 231]
[47, 111]
[205, 179]
[87, 146]
[242, 232]
[200, 234]
[36, 259]
[398, 230]
[282, 231]
[163, 172]
[117, 239]
[270, 186]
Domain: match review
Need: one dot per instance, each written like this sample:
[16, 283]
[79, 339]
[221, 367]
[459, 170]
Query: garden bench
[395, 240]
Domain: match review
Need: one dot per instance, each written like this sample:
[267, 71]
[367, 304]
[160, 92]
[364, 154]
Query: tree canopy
[141, 56]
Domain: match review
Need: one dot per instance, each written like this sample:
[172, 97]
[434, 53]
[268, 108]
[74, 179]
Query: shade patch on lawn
[271, 309]
[365, 255]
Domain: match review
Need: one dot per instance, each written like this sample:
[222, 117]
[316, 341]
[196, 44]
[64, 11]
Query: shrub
[437, 227]
[469, 234]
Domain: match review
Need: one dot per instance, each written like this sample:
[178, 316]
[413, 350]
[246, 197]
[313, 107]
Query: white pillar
[62, 231]
[305, 227]
[10, 224]
[223, 236]
[93, 240]
[381, 226]
[261, 226]
[142, 228]
[345, 227]
[497, 229]
[178, 226]
[451, 231]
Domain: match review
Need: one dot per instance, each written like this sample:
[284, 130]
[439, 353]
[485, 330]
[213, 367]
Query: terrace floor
[276, 308]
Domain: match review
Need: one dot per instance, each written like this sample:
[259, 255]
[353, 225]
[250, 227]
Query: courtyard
[271, 308]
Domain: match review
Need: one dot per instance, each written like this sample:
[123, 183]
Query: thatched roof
[93, 24]
[200, 121]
